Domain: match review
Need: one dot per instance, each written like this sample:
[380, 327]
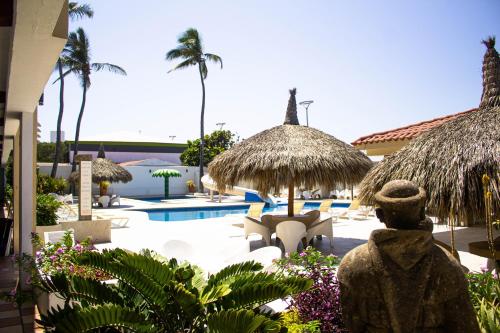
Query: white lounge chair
[291, 234]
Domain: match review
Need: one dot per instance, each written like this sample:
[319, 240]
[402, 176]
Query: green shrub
[154, 295]
[484, 290]
[291, 320]
[46, 210]
[47, 184]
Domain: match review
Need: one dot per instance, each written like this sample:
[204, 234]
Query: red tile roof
[408, 132]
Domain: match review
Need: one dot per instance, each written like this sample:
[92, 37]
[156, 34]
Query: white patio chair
[290, 233]
[104, 201]
[114, 199]
[254, 226]
[323, 228]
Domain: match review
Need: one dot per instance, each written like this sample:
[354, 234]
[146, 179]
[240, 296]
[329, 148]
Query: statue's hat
[401, 197]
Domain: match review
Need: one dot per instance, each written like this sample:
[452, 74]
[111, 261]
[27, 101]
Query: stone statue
[400, 281]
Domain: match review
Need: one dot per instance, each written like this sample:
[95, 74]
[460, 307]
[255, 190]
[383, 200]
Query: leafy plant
[291, 320]
[47, 184]
[46, 210]
[158, 296]
[484, 290]
[322, 301]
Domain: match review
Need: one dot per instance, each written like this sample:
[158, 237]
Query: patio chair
[321, 228]
[254, 226]
[297, 207]
[255, 209]
[104, 201]
[114, 199]
[291, 234]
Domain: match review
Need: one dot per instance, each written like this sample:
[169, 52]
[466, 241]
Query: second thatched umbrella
[449, 160]
[289, 155]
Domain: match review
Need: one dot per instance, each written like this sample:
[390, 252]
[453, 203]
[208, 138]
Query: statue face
[391, 220]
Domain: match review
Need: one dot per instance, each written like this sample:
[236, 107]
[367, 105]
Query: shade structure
[166, 174]
[104, 169]
[287, 156]
[449, 160]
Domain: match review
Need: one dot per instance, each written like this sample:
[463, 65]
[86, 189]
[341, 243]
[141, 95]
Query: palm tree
[75, 11]
[190, 50]
[77, 60]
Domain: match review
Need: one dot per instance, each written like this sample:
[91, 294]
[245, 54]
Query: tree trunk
[202, 128]
[78, 123]
[57, 153]
[291, 188]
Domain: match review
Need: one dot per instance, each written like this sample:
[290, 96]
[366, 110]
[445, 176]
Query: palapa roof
[449, 160]
[104, 169]
[289, 154]
[408, 132]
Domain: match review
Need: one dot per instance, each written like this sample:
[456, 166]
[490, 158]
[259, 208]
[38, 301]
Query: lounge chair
[325, 206]
[291, 234]
[297, 207]
[255, 209]
[353, 208]
[114, 199]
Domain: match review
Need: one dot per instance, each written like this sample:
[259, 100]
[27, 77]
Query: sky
[369, 66]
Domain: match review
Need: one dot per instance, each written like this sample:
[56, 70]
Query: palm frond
[214, 58]
[99, 66]
[243, 321]
[77, 11]
[69, 71]
[192, 39]
[75, 320]
[183, 65]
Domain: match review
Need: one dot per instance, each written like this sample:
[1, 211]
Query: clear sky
[368, 65]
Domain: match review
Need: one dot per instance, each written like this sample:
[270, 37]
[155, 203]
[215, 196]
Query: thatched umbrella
[287, 156]
[449, 160]
[105, 170]
[166, 174]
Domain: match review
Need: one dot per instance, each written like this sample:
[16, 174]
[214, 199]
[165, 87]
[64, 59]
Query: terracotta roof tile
[407, 132]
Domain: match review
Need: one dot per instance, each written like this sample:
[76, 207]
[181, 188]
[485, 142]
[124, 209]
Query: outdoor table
[482, 249]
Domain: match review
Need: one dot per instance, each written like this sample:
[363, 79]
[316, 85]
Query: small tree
[215, 143]
[166, 174]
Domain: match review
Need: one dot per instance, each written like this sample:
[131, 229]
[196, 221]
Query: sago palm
[77, 59]
[75, 11]
[153, 295]
[190, 50]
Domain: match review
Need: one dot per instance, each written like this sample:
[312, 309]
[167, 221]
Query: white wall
[142, 184]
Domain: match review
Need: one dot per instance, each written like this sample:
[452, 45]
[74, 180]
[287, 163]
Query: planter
[46, 301]
[98, 230]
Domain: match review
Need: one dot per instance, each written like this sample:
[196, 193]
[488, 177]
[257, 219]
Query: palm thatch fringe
[105, 170]
[449, 160]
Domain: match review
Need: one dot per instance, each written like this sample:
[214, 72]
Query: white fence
[142, 184]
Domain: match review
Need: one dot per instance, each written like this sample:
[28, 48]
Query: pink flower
[302, 254]
[53, 257]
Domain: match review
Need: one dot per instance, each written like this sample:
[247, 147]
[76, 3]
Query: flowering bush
[60, 257]
[322, 301]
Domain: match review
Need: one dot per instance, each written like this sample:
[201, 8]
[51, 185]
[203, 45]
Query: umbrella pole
[166, 187]
[290, 198]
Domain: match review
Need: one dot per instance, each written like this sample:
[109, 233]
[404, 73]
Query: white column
[28, 180]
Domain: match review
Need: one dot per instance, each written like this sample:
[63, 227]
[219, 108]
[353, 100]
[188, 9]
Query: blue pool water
[183, 214]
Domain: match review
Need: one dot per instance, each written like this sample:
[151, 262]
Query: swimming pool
[197, 213]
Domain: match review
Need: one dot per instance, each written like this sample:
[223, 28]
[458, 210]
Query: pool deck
[141, 233]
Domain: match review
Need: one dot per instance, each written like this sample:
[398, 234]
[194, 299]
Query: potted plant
[190, 185]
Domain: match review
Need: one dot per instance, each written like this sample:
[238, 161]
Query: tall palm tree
[77, 60]
[190, 50]
[75, 11]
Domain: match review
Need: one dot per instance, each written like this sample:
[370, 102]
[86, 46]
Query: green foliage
[47, 184]
[215, 143]
[46, 210]
[484, 290]
[46, 152]
[162, 296]
[291, 320]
